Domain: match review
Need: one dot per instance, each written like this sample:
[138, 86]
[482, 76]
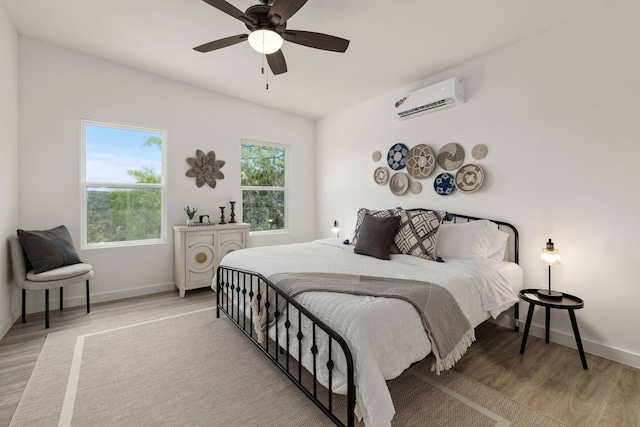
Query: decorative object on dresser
[550, 256]
[205, 168]
[233, 213]
[197, 252]
[204, 219]
[222, 215]
[190, 213]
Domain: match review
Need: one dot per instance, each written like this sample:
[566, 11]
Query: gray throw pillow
[375, 236]
[48, 249]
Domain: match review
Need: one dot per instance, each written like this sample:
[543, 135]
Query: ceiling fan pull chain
[264, 56]
[263, 72]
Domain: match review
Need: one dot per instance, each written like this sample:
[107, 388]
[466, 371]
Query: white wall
[559, 114]
[58, 87]
[8, 165]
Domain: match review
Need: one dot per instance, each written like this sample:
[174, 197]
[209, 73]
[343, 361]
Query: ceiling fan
[268, 25]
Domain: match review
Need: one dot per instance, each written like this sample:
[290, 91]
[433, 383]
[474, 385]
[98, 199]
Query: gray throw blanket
[447, 327]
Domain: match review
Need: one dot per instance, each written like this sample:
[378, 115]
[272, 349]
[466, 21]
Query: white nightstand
[197, 252]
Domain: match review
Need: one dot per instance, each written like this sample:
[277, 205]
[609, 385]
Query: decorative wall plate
[451, 156]
[381, 175]
[205, 168]
[444, 184]
[399, 183]
[416, 187]
[469, 178]
[376, 156]
[420, 161]
[479, 151]
[397, 156]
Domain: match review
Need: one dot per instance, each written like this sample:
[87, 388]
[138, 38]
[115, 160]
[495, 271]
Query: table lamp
[336, 228]
[550, 256]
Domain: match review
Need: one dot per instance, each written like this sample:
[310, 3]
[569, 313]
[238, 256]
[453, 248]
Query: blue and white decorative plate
[397, 156]
[444, 184]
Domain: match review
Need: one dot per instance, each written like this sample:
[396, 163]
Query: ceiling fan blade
[219, 44]
[317, 40]
[230, 9]
[277, 63]
[282, 10]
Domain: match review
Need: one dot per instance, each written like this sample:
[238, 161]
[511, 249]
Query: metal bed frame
[237, 288]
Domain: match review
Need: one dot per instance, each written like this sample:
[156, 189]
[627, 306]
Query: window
[123, 184]
[263, 176]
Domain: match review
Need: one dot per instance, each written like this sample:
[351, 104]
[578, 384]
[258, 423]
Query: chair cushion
[61, 273]
[48, 249]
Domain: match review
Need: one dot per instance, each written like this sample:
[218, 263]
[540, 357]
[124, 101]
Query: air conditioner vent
[445, 94]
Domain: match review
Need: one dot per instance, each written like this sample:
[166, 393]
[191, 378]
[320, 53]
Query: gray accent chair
[57, 278]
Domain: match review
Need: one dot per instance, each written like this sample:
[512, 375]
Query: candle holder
[222, 215]
[233, 213]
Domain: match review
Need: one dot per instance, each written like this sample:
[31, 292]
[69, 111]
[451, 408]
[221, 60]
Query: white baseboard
[8, 322]
[568, 340]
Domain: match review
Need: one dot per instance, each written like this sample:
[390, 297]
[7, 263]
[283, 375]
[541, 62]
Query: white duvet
[385, 335]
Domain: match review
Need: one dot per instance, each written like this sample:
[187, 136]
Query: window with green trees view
[123, 184]
[263, 172]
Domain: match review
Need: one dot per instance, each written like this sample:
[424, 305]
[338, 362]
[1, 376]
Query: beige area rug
[187, 368]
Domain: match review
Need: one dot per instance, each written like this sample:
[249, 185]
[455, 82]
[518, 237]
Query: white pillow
[498, 247]
[466, 240]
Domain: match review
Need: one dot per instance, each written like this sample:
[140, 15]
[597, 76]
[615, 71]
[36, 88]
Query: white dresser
[197, 252]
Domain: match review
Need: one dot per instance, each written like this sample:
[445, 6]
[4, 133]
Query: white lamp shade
[550, 257]
[336, 227]
[265, 41]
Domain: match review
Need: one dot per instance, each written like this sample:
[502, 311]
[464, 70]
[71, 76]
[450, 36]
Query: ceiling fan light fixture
[265, 41]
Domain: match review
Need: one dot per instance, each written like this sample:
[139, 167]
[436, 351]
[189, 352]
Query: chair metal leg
[88, 306]
[46, 309]
[24, 305]
[61, 288]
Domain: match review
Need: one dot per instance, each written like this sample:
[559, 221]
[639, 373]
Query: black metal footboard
[237, 289]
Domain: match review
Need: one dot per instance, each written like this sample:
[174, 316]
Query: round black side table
[568, 302]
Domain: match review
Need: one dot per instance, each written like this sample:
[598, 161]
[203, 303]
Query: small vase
[188, 222]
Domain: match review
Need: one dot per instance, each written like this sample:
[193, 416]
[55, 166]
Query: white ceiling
[393, 43]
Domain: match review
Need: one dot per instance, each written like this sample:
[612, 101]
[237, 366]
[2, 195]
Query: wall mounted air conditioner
[447, 93]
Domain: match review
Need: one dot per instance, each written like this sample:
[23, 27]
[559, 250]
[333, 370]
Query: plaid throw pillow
[364, 212]
[417, 233]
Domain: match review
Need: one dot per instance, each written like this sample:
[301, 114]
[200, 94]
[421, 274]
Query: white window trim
[84, 185]
[287, 209]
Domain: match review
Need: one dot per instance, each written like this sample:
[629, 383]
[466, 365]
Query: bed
[351, 344]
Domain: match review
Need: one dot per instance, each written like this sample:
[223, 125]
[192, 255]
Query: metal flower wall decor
[205, 168]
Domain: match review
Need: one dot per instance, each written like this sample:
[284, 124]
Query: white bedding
[385, 335]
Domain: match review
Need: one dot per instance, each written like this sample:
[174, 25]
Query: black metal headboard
[505, 226]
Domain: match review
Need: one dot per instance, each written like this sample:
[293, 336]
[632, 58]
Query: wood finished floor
[548, 378]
